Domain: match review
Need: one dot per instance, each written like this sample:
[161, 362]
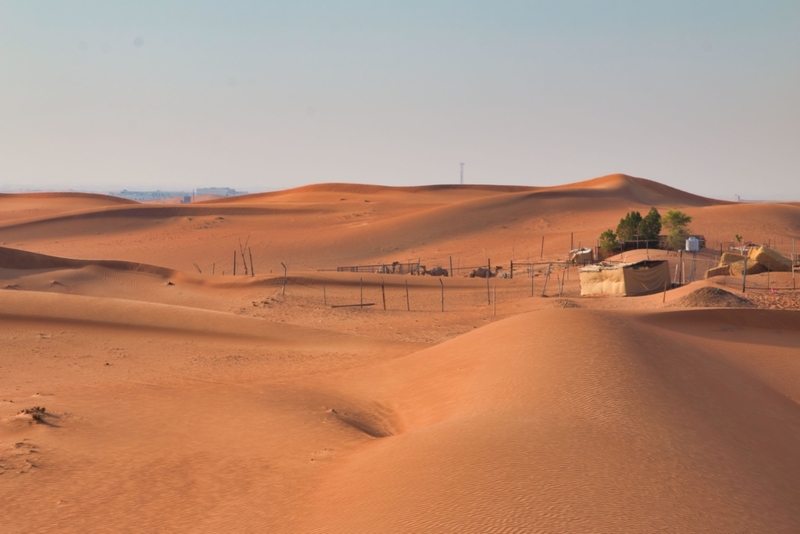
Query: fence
[380, 268]
[764, 275]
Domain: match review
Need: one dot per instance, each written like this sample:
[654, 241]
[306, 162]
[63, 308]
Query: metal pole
[408, 302]
[283, 292]
[451, 266]
[383, 294]
[442, 284]
[488, 294]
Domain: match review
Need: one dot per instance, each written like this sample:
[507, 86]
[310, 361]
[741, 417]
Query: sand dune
[517, 424]
[146, 388]
[21, 206]
[363, 224]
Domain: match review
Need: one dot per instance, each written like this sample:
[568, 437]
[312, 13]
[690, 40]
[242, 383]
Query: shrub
[608, 241]
[676, 223]
[650, 226]
[628, 227]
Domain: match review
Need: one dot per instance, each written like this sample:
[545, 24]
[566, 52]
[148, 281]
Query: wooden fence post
[234, 263]
[546, 278]
[541, 253]
[383, 294]
[252, 271]
[451, 266]
[531, 268]
[442, 284]
[283, 291]
[408, 302]
[488, 294]
[744, 277]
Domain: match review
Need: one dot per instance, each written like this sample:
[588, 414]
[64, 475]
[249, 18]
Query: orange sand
[185, 401]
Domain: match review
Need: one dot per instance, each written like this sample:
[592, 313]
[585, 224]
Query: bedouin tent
[624, 279]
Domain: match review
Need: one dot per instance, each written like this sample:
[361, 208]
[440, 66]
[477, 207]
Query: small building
[624, 279]
[581, 256]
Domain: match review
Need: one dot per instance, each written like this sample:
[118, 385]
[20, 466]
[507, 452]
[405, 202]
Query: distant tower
[462, 173]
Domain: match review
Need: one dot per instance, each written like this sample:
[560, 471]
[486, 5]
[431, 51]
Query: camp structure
[581, 256]
[624, 279]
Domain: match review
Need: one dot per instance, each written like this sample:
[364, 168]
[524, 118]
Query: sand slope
[518, 426]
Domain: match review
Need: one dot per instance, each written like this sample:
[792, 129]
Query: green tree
[650, 226]
[677, 225]
[608, 241]
[628, 227]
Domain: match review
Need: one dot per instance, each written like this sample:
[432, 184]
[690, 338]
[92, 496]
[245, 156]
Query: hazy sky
[701, 95]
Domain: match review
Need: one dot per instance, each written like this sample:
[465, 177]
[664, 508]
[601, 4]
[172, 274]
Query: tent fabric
[625, 279]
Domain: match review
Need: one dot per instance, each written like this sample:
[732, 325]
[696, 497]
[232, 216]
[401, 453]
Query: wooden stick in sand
[744, 276]
[546, 278]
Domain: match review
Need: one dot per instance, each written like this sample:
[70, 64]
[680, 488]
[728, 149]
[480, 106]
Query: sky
[258, 95]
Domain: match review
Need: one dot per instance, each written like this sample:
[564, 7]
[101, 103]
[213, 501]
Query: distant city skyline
[703, 96]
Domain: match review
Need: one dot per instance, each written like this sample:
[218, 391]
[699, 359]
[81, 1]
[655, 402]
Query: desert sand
[145, 388]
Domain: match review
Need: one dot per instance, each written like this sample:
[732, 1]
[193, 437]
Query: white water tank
[692, 244]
